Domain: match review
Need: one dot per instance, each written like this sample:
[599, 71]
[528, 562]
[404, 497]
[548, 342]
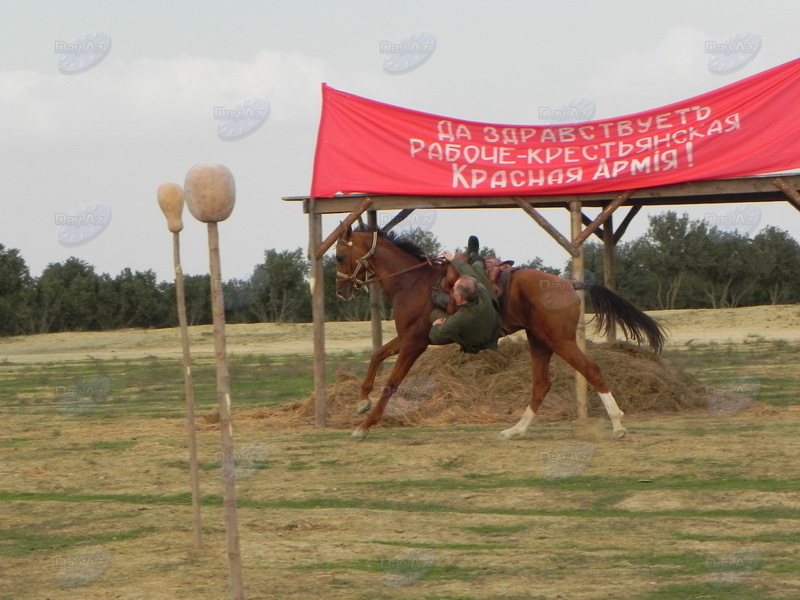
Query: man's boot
[473, 249]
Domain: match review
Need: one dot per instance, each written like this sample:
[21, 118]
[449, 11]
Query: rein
[363, 263]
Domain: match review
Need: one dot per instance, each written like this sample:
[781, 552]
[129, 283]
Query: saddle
[497, 272]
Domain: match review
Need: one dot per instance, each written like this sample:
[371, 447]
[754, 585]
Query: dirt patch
[723, 325]
[685, 326]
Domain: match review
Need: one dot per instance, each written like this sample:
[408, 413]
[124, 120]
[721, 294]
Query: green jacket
[475, 325]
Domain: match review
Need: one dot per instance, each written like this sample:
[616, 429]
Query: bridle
[369, 275]
[361, 263]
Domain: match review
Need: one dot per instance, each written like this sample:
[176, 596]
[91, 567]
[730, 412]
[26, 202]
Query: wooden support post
[609, 276]
[625, 222]
[609, 209]
[587, 221]
[577, 275]
[544, 224]
[322, 247]
[375, 296]
[318, 316]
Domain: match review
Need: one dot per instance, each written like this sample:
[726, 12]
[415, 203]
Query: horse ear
[347, 233]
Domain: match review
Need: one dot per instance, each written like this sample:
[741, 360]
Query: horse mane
[398, 240]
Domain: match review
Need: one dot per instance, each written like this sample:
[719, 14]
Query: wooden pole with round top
[210, 194]
[170, 199]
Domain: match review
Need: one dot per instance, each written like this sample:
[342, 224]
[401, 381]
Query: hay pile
[446, 386]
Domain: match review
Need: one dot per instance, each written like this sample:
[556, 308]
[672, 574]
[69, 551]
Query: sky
[103, 102]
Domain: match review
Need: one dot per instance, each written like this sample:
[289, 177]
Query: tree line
[677, 263]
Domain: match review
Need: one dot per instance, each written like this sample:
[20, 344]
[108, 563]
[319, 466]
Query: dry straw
[449, 387]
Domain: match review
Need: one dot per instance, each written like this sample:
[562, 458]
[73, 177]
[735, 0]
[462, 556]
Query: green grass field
[94, 499]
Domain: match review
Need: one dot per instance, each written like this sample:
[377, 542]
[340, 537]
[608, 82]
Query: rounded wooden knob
[170, 199]
[210, 192]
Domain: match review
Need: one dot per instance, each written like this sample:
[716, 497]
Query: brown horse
[547, 307]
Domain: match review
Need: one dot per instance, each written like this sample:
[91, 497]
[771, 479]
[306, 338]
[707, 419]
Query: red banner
[749, 127]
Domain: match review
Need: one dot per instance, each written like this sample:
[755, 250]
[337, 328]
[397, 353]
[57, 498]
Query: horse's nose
[344, 291]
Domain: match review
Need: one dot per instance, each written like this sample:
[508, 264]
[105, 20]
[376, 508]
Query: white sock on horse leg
[614, 412]
[522, 426]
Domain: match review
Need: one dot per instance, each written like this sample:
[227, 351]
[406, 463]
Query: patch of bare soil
[721, 325]
[685, 326]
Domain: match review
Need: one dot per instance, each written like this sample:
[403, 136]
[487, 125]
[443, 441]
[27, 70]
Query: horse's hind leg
[540, 367]
[574, 357]
[381, 354]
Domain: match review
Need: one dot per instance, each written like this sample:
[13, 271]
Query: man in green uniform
[476, 323]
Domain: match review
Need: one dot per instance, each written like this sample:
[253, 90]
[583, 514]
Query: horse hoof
[509, 434]
[363, 407]
[619, 433]
[359, 434]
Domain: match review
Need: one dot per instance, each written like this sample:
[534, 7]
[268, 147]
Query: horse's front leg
[381, 354]
[409, 352]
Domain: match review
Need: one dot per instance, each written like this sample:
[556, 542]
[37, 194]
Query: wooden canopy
[760, 189]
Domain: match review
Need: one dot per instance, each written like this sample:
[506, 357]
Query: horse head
[352, 263]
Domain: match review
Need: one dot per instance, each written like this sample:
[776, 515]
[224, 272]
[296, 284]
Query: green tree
[538, 264]
[139, 302]
[675, 243]
[15, 290]
[425, 239]
[242, 296]
[197, 293]
[287, 297]
[779, 264]
[67, 297]
[726, 267]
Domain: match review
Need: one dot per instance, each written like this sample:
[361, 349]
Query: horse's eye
[339, 258]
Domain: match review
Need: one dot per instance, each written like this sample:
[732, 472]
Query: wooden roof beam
[623, 227]
[397, 219]
[602, 217]
[545, 224]
[348, 221]
[791, 193]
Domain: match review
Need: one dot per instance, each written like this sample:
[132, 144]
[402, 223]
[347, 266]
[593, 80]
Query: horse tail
[610, 307]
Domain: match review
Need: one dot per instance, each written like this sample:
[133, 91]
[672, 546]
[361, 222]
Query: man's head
[465, 289]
